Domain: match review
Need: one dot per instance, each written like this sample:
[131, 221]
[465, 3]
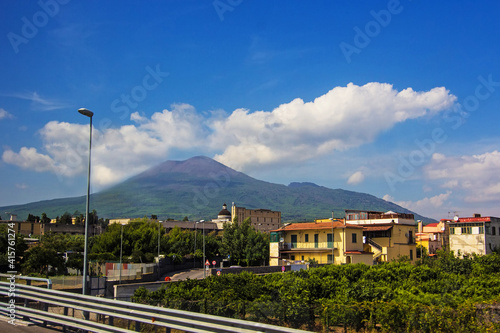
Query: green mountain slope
[198, 187]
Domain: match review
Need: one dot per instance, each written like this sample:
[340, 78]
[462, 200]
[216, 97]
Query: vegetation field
[443, 294]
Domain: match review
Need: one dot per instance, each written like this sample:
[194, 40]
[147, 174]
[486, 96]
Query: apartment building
[263, 220]
[24, 228]
[433, 236]
[480, 235]
[325, 241]
[389, 235]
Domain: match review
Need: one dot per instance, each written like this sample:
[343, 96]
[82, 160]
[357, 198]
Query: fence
[55, 306]
[128, 271]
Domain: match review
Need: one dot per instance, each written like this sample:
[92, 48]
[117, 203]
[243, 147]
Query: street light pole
[203, 265]
[121, 253]
[194, 253]
[89, 114]
[332, 238]
[159, 225]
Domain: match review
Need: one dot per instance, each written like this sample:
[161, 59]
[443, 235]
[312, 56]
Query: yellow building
[388, 235]
[433, 236]
[120, 221]
[325, 242]
[24, 228]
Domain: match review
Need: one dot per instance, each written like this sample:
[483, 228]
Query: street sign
[213, 262]
[207, 263]
[218, 273]
[282, 268]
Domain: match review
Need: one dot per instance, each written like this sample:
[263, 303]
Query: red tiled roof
[432, 225]
[376, 227]
[317, 225]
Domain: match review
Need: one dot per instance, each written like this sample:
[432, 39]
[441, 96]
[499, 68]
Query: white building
[480, 235]
[224, 216]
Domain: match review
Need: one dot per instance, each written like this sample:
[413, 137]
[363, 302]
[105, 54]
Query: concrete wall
[256, 270]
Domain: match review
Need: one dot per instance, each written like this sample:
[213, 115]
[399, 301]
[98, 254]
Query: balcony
[308, 246]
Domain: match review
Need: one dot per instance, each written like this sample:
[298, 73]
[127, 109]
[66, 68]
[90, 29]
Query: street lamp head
[86, 112]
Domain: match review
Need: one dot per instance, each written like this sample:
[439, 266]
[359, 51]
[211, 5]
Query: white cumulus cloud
[478, 174]
[117, 153]
[428, 206]
[343, 118]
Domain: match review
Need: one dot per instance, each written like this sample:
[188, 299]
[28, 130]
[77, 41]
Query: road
[22, 327]
[192, 274]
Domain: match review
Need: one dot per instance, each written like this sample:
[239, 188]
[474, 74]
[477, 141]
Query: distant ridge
[197, 188]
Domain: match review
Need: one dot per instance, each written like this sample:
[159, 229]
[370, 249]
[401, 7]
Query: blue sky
[398, 99]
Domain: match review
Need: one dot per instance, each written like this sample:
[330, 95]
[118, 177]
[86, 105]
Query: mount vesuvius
[197, 188]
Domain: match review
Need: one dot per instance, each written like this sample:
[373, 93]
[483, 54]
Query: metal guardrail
[138, 313]
[28, 279]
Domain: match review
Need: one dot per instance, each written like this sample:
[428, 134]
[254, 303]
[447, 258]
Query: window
[292, 257]
[329, 240]
[466, 230]
[274, 237]
[306, 238]
[481, 230]
[329, 259]
[493, 231]
[302, 258]
[411, 254]
[316, 240]
[452, 231]
[354, 238]
[294, 241]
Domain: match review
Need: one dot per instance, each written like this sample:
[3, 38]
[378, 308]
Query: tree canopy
[244, 245]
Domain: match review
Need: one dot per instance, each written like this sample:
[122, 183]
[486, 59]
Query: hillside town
[368, 237]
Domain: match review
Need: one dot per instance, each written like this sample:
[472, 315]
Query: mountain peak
[196, 188]
[197, 166]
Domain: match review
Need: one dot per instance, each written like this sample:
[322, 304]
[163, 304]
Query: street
[21, 327]
[192, 274]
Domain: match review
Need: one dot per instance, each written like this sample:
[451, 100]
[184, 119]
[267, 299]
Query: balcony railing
[306, 246]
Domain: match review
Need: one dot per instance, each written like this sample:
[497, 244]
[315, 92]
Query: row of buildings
[462, 235]
[370, 237]
[360, 237]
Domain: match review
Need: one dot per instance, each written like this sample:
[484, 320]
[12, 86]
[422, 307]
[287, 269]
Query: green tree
[243, 244]
[7, 243]
[75, 261]
[45, 219]
[40, 258]
[66, 218]
[33, 218]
